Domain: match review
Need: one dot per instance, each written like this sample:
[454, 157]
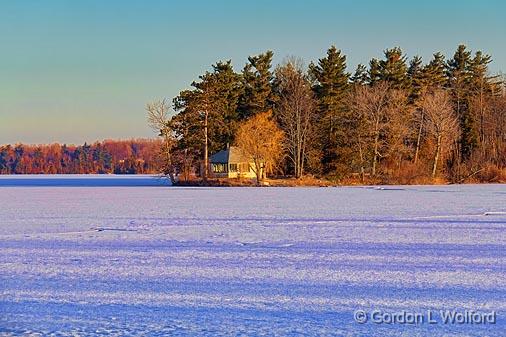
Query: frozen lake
[95, 256]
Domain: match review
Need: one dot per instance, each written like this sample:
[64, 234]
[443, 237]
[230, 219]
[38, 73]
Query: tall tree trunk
[258, 171]
[302, 157]
[168, 159]
[376, 147]
[186, 173]
[482, 119]
[419, 138]
[361, 154]
[436, 156]
[206, 154]
[298, 153]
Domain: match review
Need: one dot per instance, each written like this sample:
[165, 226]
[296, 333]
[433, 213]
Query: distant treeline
[395, 120]
[111, 156]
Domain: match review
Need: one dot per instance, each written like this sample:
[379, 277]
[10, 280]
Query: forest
[110, 156]
[396, 120]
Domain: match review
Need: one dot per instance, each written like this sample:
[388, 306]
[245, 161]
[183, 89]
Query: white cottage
[231, 163]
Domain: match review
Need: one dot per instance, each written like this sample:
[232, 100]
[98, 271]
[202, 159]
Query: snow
[95, 256]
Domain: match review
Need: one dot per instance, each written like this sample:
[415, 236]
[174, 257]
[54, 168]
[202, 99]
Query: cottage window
[219, 168]
[233, 167]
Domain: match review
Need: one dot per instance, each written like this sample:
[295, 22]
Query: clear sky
[74, 71]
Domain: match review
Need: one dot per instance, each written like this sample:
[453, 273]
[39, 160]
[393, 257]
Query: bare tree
[296, 111]
[442, 123]
[495, 130]
[384, 119]
[158, 120]
[370, 105]
[400, 127]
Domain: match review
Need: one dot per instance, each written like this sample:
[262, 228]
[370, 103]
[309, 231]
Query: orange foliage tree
[260, 139]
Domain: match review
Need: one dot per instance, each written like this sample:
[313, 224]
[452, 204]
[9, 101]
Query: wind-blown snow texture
[97, 260]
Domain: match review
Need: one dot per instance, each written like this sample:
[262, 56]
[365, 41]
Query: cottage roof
[232, 154]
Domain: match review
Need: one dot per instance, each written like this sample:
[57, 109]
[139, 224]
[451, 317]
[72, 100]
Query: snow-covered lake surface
[93, 257]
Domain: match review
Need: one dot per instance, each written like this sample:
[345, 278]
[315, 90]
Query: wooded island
[395, 121]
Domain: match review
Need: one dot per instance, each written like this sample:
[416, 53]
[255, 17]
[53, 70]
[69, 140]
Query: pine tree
[393, 69]
[187, 123]
[225, 93]
[434, 73]
[330, 87]
[458, 78]
[187, 127]
[374, 72]
[360, 76]
[217, 94]
[257, 80]
[418, 86]
[416, 78]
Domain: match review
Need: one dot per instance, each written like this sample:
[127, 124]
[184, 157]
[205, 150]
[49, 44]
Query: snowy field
[96, 256]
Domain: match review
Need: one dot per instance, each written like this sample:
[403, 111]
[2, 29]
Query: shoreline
[307, 181]
[319, 183]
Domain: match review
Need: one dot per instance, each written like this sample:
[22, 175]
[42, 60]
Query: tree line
[394, 120]
[111, 156]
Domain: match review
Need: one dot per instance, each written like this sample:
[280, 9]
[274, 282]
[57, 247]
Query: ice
[100, 258]
[76, 180]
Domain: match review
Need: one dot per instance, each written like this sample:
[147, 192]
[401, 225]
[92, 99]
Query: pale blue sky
[74, 71]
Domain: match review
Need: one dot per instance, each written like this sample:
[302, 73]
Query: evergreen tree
[360, 75]
[374, 71]
[217, 93]
[458, 79]
[257, 80]
[102, 159]
[331, 79]
[220, 91]
[187, 124]
[393, 69]
[66, 158]
[434, 73]
[479, 81]
[416, 77]
[15, 163]
[330, 87]
[4, 153]
[37, 160]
